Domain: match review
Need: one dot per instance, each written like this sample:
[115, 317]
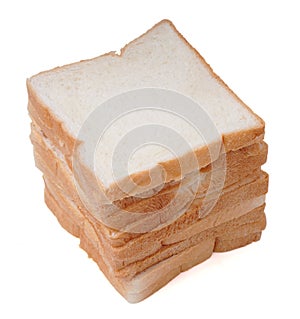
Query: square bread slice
[75, 99]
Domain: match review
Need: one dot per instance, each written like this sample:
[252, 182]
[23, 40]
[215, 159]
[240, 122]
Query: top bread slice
[66, 97]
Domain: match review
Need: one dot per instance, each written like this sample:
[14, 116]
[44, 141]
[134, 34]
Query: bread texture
[64, 97]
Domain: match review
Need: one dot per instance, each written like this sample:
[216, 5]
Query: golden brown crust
[52, 126]
[223, 245]
[147, 282]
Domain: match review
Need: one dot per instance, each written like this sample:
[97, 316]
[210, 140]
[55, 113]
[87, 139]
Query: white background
[254, 47]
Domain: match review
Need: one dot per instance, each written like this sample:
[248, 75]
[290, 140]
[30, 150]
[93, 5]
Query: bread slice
[64, 99]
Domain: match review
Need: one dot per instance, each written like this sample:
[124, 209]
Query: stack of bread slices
[166, 214]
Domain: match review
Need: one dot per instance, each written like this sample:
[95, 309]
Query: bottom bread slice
[145, 283]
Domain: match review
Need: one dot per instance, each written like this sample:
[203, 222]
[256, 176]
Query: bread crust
[230, 206]
[152, 279]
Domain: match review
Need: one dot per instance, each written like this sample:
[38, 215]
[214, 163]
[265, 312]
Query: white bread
[161, 58]
[220, 165]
